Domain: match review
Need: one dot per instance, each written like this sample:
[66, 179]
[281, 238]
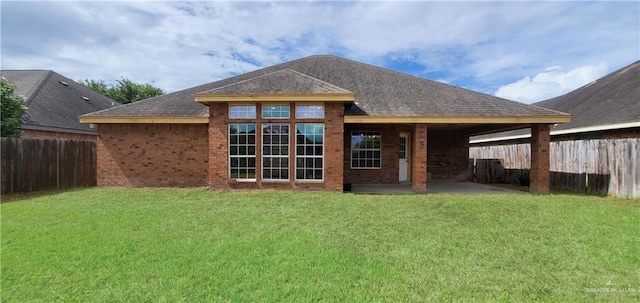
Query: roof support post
[419, 158]
[540, 161]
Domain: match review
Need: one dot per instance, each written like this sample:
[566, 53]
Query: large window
[242, 151]
[309, 151]
[309, 111]
[275, 111]
[242, 111]
[275, 151]
[366, 150]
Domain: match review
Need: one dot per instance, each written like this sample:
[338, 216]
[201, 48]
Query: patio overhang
[546, 119]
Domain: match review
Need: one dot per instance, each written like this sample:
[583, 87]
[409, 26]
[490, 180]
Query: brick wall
[448, 155]
[540, 158]
[42, 134]
[388, 173]
[419, 158]
[154, 155]
[333, 150]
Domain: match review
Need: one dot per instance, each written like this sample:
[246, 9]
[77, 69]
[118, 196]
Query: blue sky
[526, 51]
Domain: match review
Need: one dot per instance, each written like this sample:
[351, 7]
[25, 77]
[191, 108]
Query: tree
[124, 91]
[11, 109]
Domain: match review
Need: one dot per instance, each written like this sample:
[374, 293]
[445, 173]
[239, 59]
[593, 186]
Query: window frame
[304, 156]
[247, 157]
[255, 109]
[287, 144]
[298, 106]
[365, 149]
[267, 105]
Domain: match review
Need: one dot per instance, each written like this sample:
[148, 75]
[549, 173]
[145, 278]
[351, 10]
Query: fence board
[45, 164]
[601, 167]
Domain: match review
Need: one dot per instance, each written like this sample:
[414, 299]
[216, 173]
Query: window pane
[275, 111]
[241, 153]
[309, 146]
[365, 149]
[242, 111]
[309, 111]
[275, 150]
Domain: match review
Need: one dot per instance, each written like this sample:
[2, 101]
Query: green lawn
[195, 245]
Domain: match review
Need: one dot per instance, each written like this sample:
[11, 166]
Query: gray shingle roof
[50, 103]
[612, 99]
[286, 81]
[378, 91]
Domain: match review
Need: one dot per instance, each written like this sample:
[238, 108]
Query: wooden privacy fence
[603, 167]
[45, 164]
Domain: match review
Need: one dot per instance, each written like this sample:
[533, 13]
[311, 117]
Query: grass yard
[195, 245]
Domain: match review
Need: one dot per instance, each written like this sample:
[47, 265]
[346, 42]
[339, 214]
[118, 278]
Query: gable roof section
[379, 94]
[611, 102]
[285, 84]
[53, 101]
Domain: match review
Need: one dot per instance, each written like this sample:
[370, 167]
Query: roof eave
[144, 119]
[250, 98]
[524, 119]
[569, 131]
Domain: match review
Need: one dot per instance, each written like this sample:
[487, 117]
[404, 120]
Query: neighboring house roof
[378, 92]
[611, 102]
[53, 101]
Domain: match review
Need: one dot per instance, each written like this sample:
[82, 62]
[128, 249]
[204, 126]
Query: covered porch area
[395, 155]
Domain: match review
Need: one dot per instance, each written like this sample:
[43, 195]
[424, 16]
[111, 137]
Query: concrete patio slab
[435, 186]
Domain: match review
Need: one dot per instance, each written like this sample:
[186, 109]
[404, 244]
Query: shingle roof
[612, 99]
[53, 100]
[286, 81]
[378, 92]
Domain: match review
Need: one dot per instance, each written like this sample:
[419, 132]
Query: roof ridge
[36, 88]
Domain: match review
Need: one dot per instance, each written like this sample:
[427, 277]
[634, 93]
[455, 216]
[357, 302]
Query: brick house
[54, 103]
[314, 123]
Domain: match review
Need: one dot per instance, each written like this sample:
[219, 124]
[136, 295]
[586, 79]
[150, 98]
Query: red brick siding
[388, 174]
[154, 155]
[448, 156]
[333, 149]
[419, 163]
[41, 134]
[218, 136]
[540, 159]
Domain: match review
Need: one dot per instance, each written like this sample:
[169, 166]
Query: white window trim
[310, 104]
[243, 105]
[324, 163]
[229, 156]
[351, 152]
[275, 104]
[271, 156]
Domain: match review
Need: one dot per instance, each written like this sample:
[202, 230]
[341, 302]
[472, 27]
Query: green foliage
[195, 245]
[124, 91]
[11, 109]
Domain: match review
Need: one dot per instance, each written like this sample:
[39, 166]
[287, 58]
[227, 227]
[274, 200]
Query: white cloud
[177, 45]
[552, 82]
